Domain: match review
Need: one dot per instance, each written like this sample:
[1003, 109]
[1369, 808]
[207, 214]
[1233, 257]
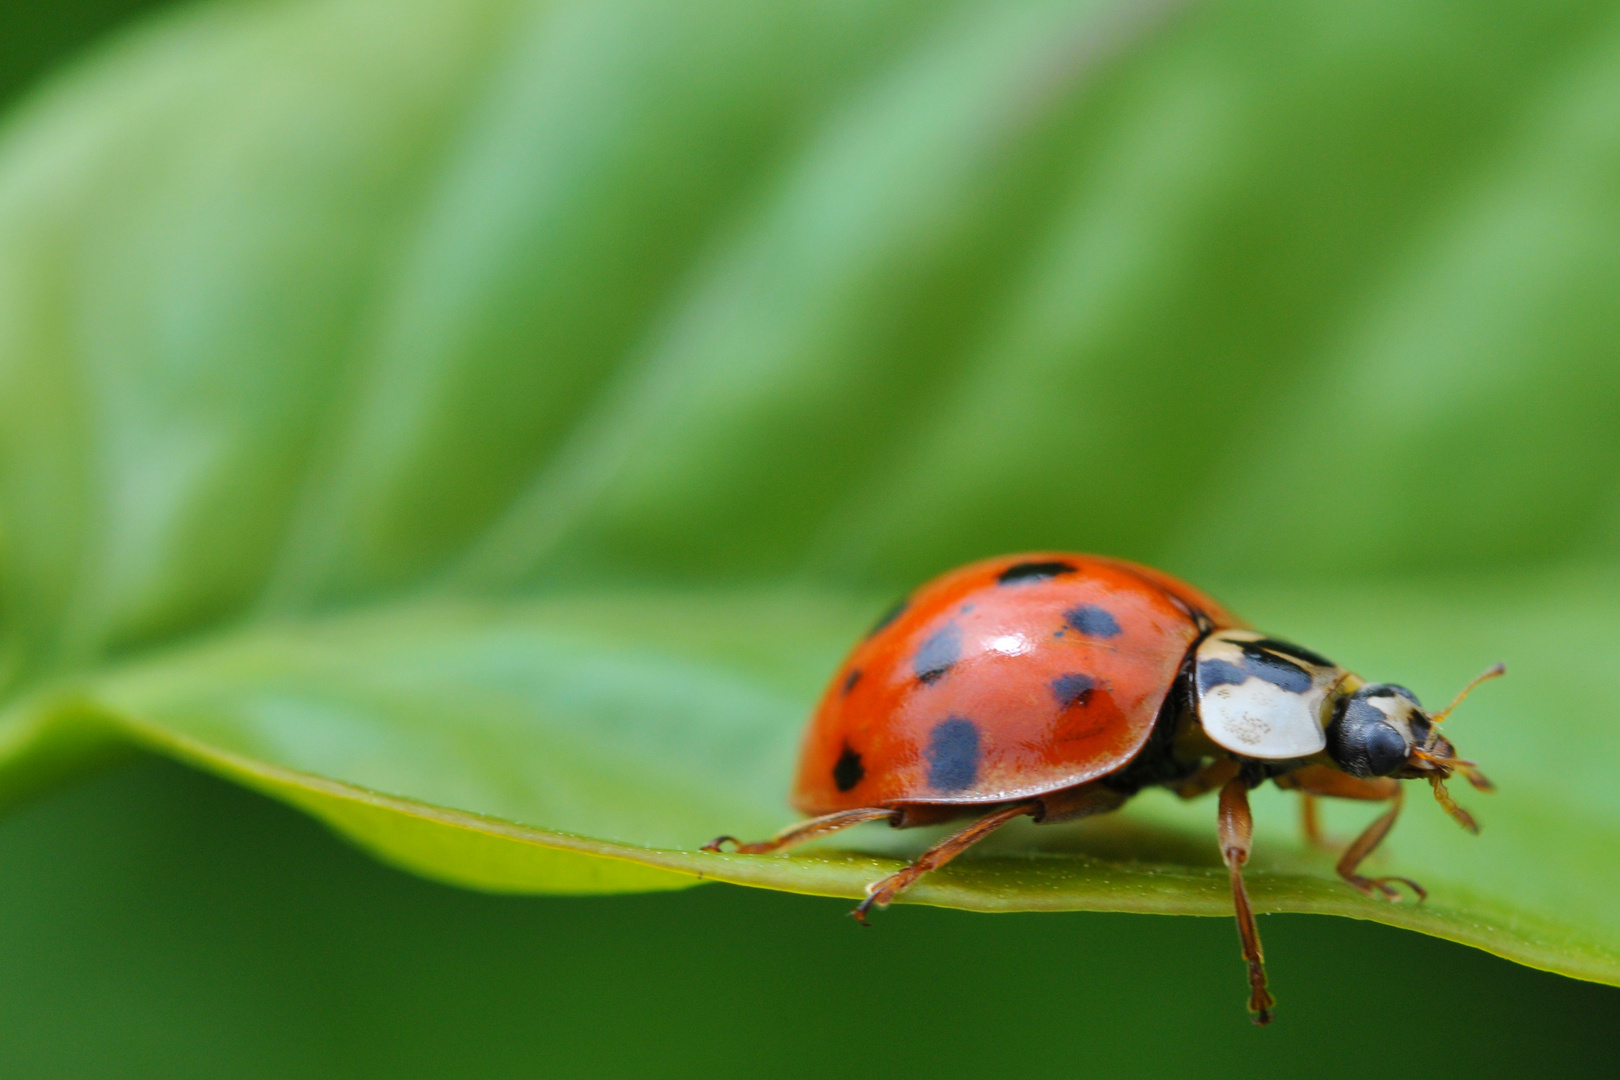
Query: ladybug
[1055, 686]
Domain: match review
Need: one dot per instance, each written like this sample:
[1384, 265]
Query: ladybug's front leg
[1235, 826]
[1320, 780]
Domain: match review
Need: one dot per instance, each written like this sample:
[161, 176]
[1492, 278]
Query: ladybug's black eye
[1362, 741]
[1386, 750]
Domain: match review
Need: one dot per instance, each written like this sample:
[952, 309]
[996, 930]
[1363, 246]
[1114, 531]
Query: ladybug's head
[1381, 729]
[1377, 729]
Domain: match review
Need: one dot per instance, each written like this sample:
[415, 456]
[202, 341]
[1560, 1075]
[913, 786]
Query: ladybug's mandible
[1056, 686]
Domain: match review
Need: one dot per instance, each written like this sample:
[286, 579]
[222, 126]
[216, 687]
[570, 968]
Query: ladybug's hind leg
[817, 827]
[882, 893]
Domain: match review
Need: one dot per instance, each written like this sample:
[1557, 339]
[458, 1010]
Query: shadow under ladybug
[1056, 686]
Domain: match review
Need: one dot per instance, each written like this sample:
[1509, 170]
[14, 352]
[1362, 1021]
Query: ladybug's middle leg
[1310, 822]
[1235, 827]
[883, 891]
[1211, 777]
[1319, 780]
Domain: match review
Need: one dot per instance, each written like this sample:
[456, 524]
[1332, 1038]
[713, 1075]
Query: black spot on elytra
[1025, 572]
[1073, 689]
[851, 679]
[848, 771]
[1288, 648]
[953, 754]
[1092, 621]
[936, 656]
[888, 617]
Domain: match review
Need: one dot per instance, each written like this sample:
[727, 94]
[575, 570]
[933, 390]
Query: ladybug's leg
[1209, 778]
[1363, 846]
[882, 892]
[807, 830]
[1235, 826]
[1320, 780]
[1310, 821]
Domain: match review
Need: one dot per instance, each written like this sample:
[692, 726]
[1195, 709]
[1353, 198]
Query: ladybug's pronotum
[1057, 686]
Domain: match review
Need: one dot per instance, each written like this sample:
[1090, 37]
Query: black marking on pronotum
[1277, 670]
[1092, 621]
[848, 771]
[888, 617]
[851, 679]
[1025, 572]
[953, 754]
[1073, 689]
[1273, 669]
[1288, 648]
[1213, 673]
[936, 656]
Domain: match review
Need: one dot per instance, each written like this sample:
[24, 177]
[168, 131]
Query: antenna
[1484, 676]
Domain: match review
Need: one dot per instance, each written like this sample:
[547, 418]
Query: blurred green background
[1308, 189]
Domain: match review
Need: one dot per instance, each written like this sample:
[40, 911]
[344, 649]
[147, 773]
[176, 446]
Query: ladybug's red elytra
[1056, 686]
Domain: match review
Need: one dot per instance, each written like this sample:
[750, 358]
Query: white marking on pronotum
[1253, 715]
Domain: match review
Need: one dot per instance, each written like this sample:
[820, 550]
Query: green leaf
[484, 425]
